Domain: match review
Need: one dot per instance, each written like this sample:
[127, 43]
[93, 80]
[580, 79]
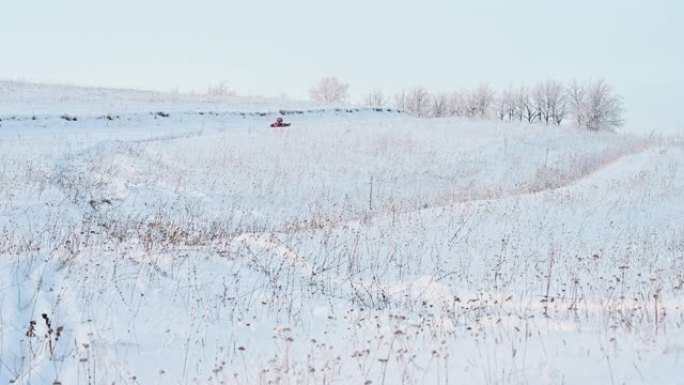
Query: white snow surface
[171, 239]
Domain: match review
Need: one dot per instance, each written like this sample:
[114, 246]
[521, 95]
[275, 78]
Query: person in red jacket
[279, 123]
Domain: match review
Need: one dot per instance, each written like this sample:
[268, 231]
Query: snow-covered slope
[21, 98]
[353, 247]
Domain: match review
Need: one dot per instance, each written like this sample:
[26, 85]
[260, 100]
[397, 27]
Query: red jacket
[279, 123]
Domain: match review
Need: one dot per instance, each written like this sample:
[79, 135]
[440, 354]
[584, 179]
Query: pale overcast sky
[282, 47]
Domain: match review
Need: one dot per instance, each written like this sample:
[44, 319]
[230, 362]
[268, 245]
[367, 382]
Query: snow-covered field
[171, 239]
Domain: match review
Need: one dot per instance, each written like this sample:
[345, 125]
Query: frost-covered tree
[595, 105]
[220, 89]
[556, 101]
[375, 98]
[418, 102]
[576, 94]
[506, 104]
[481, 100]
[549, 100]
[501, 107]
[470, 103]
[401, 100]
[439, 105]
[456, 104]
[604, 107]
[509, 102]
[519, 108]
[329, 90]
[527, 106]
[538, 96]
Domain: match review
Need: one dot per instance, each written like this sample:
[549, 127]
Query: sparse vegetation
[329, 90]
[370, 249]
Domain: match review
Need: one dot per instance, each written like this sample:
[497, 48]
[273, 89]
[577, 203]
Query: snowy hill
[353, 247]
[22, 98]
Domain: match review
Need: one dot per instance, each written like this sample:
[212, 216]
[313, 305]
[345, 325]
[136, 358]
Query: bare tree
[329, 90]
[501, 107]
[576, 95]
[470, 107]
[559, 114]
[220, 89]
[604, 108]
[509, 102]
[456, 104]
[549, 100]
[519, 107]
[470, 104]
[401, 100]
[375, 98]
[506, 105]
[439, 105]
[481, 100]
[418, 101]
[594, 105]
[539, 102]
[527, 105]
[556, 101]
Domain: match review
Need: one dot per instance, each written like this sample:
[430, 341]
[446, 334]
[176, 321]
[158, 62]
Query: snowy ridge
[23, 98]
